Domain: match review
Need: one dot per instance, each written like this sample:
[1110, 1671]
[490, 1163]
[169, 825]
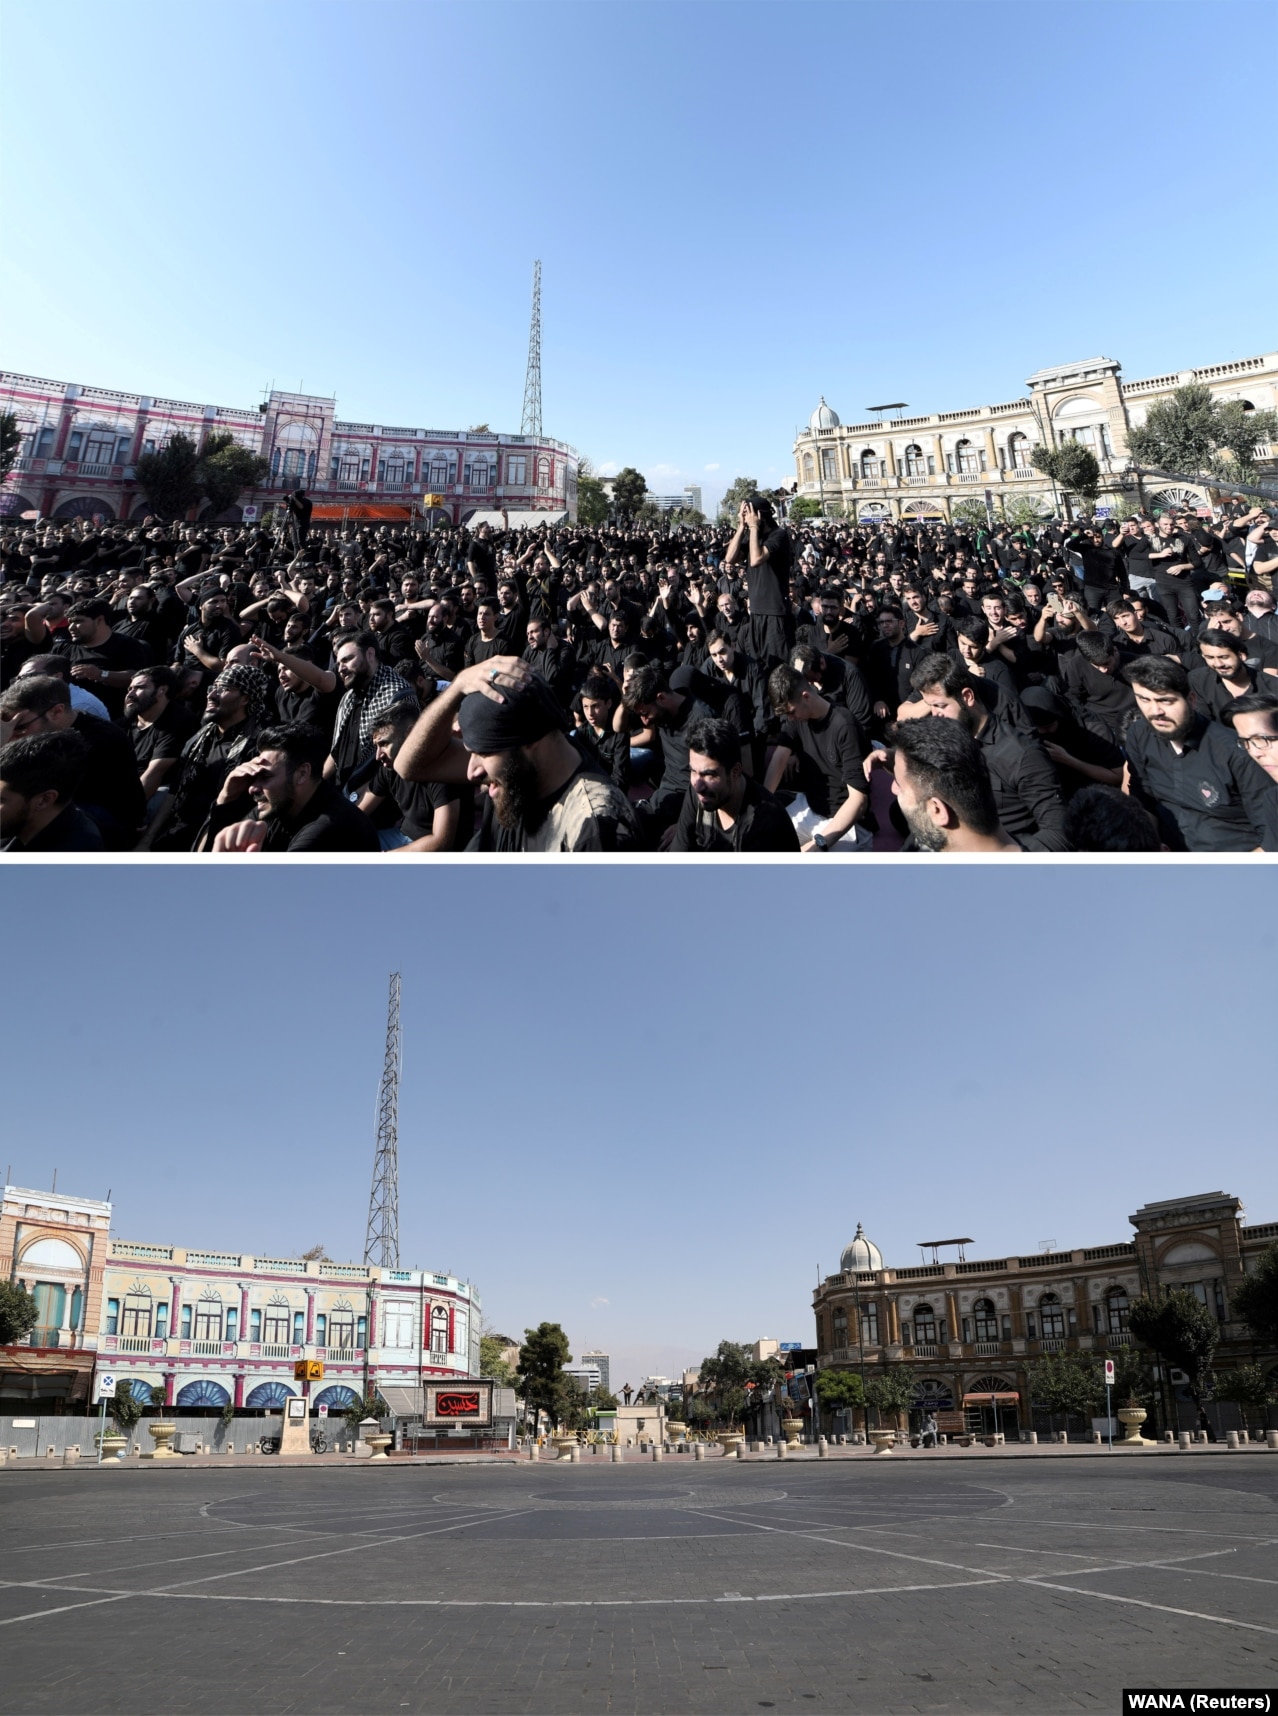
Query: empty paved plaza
[1008, 1585]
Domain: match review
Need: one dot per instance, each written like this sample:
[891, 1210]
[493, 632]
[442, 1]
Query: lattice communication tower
[531, 424]
[382, 1243]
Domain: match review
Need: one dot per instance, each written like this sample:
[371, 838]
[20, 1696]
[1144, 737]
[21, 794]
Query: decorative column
[991, 457]
[175, 1306]
[239, 1390]
[310, 1317]
[244, 1311]
[170, 1378]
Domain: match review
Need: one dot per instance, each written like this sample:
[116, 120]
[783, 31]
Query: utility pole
[531, 421]
[381, 1246]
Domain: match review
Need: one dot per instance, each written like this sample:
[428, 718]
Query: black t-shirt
[482, 556]
[330, 823]
[114, 654]
[768, 584]
[830, 754]
[163, 738]
[318, 708]
[761, 825]
[417, 802]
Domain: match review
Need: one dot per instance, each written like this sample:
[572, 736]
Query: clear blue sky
[643, 1102]
[738, 207]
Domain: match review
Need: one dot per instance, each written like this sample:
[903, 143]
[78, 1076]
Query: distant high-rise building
[585, 1376]
[600, 1363]
[691, 497]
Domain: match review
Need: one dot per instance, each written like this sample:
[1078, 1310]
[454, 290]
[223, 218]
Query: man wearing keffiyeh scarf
[371, 690]
[235, 706]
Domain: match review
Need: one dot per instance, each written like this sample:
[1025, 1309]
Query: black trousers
[1178, 595]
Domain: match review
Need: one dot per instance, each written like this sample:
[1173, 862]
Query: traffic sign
[106, 1388]
[308, 1370]
[1109, 1372]
[322, 1411]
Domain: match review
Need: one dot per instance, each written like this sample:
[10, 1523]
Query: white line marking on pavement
[66, 1608]
[1161, 1608]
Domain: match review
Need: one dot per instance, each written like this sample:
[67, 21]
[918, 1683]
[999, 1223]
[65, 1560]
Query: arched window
[276, 1323]
[438, 473]
[829, 465]
[268, 1394]
[208, 1316]
[915, 461]
[543, 473]
[966, 457]
[1051, 1316]
[840, 1326]
[341, 1328]
[869, 465]
[924, 1326]
[203, 1393]
[439, 1330]
[809, 468]
[1116, 1305]
[136, 1321]
[1018, 451]
[985, 1320]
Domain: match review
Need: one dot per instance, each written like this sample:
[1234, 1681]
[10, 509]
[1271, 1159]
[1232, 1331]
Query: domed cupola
[861, 1255]
[823, 417]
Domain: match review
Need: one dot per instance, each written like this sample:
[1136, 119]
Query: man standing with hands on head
[769, 552]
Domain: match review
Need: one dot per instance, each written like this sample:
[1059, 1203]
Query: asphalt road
[861, 1587]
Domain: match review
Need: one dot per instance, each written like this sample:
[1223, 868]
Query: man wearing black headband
[541, 793]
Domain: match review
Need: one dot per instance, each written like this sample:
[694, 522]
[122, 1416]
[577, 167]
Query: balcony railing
[133, 1343]
[1118, 1339]
[203, 1349]
[1052, 1344]
[969, 476]
[45, 1337]
[1017, 473]
[272, 1350]
[989, 1349]
[96, 470]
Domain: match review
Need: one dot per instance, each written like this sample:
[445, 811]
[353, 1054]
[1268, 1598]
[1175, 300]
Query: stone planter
[565, 1445]
[112, 1446]
[379, 1445]
[161, 1433]
[793, 1428]
[732, 1443]
[1131, 1418]
[884, 1441]
[677, 1432]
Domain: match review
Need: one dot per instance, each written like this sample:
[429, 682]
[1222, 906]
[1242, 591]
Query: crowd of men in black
[753, 687]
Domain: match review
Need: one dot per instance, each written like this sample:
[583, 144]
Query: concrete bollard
[70, 1456]
[614, 1453]
[534, 1453]
[574, 1456]
[1096, 1438]
[1031, 1436]
[1184, 1438]
[1231, 1438]
[657, 1452]
[1271, 1440]
[699, 1451]
[780, 1450]
[822, 1449]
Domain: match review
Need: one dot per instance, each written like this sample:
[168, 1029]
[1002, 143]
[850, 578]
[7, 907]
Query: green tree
[225, 470]
[971, 513]
[1192, 434]
[10, 442]
[18, 1313]
[648, 513]
[890, 1390]
[839, 1390]
[628, 489]
[365, 1406]
[170, 479]
[1183, 1332]
[686, 515]
[126, 1408]
[730, 505]
[803, 507]
[1248, 1386]
[1071, 466]
[592, 502]
[1256, 1301]
[541, 1370]
[1023, 510]
[1066, 1384]
[491, 1363]
[602, 1401]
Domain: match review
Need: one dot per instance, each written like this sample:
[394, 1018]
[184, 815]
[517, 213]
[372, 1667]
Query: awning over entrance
[984, 1399]
[403, 1402]
[393, 514]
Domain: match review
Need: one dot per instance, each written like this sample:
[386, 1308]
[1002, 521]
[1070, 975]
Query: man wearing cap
[541, 794]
